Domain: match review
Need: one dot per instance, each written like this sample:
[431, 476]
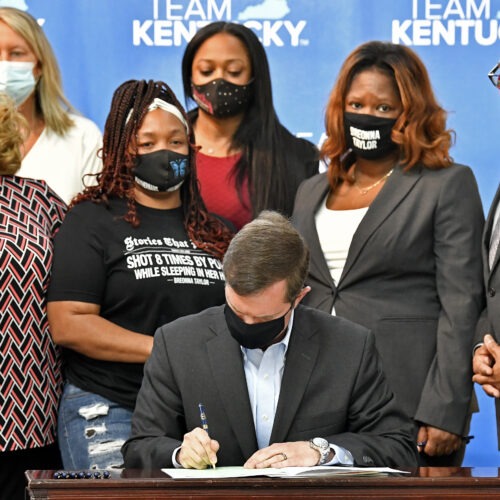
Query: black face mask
[369, 136]
[162, 170]
[256, 335]
[221, 98]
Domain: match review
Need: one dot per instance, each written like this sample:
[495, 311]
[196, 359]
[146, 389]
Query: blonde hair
[13, 130]
[51, 103]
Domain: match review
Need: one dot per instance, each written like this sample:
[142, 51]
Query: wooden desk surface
[452, 483]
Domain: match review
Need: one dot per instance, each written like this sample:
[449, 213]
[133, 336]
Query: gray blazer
[413, 275]
[489, 322]
[332, 387]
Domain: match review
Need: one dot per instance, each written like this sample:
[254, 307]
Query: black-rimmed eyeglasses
[494, 75]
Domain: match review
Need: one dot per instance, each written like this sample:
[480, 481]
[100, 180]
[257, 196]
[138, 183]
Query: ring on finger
[284, 457]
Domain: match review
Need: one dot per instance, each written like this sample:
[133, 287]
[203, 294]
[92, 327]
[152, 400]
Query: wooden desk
[452, 483]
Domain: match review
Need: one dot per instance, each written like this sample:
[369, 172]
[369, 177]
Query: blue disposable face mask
[17, 80]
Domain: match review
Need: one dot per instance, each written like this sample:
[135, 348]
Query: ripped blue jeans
[91, 430]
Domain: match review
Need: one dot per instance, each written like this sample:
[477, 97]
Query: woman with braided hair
[137, 250]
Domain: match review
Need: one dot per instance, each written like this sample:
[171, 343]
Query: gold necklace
[365, 190]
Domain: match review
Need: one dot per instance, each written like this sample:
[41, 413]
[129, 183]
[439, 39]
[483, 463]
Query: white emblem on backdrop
[267, 9]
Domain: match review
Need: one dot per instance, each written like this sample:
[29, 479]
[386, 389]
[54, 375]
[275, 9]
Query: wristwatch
[322, 446]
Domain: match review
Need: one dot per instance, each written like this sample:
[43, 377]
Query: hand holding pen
[204, 423]
[198, 450]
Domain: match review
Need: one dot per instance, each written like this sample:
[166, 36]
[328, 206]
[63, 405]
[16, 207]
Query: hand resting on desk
[199, 451]
[278, 455]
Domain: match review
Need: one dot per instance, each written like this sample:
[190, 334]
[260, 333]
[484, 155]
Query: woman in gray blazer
[394, 228]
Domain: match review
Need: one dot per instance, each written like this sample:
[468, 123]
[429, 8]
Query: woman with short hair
[30, 368]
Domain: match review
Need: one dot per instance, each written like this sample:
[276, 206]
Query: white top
[62, 161]
[335, 231]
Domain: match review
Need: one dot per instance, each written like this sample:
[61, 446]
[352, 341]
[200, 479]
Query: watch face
[321, 443]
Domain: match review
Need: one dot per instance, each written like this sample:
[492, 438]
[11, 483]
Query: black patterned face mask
[162, 170]
[221, 98]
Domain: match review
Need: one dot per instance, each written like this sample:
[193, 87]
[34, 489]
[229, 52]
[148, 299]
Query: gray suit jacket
[413, 275]
[332, 387]
[489, 322]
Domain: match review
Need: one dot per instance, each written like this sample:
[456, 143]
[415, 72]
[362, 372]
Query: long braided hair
[129, 106]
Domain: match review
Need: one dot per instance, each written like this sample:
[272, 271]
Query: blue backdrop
[101, 43]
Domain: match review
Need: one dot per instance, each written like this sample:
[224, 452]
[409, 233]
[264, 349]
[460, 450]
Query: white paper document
[225, 472]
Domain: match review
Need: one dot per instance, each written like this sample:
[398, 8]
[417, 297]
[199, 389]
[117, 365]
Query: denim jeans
[91, 430]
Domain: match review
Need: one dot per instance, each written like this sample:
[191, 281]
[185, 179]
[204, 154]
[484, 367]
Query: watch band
[322, 446]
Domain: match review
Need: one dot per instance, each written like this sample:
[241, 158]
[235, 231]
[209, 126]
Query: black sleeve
[78, 270]
[158, 414]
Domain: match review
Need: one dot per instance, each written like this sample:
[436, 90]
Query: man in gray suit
[486, 362]
[281, 384]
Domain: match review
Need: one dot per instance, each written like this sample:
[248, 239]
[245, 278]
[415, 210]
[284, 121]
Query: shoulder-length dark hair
[129, 106]
[262, 138]
[420, 131]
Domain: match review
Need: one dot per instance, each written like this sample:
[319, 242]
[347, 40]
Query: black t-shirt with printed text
[140, 277]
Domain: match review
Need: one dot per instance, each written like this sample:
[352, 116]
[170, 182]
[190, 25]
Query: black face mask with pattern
[162, 170]
[221, 98]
